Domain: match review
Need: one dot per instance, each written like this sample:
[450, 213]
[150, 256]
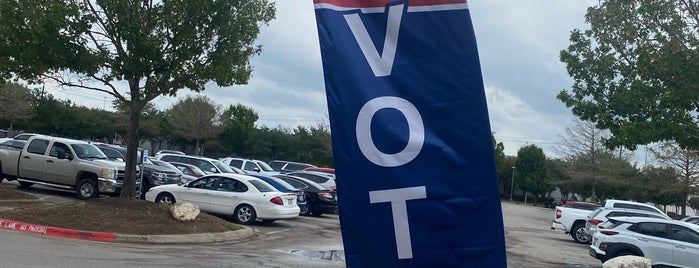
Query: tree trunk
[129, 188]
[685, 195]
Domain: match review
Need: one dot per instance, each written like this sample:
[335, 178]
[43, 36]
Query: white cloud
[519, 43]
[516, 123]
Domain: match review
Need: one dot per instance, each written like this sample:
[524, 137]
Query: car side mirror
[213, 170]
[256, 169]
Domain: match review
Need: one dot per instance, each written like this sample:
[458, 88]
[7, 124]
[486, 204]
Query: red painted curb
[53, 231]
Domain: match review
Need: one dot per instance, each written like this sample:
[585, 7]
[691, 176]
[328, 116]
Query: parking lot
[531, 243]
[529, 240]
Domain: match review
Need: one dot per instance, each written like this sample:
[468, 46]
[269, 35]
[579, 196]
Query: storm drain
[327, 255]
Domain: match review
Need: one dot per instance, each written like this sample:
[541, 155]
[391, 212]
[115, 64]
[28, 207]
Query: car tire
[244, 214]
[306, 211]
[317, 214]
[25, 184]
[625, 253]
[578, 234]
[165, 198]
[86, 189]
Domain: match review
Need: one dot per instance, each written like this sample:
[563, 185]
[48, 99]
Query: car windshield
[285, 184]
[161, 163]
[262, 186]
[196, 170]
[264, 166]
[293, 182]
[88, 151]
[223, 167]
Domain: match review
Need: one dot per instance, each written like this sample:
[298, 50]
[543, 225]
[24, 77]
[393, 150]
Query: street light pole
[512, 185]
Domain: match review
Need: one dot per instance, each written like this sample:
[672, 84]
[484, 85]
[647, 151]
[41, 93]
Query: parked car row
[315, 192]
[215, 186]
[620, 227]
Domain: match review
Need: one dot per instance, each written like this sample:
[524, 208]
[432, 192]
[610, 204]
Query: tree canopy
[132, 50]
[531, 171]
[15, 102]
[636, 71]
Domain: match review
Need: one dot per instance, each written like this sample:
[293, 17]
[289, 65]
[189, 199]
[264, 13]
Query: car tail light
[603, 246]
[594, 221]
[277, 200]
[558, 213]
[607, 232]
[326, 195]
[334, 187]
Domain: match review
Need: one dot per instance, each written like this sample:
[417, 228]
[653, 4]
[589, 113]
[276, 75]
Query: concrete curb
[244, 233]
[54, 231]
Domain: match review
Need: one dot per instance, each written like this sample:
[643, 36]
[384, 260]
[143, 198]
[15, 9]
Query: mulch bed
[112, 215]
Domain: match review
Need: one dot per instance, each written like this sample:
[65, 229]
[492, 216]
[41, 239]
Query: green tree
[502, 167]
[685, 162]
[582, 147]
[153, 47]
[272, 143]
[636, 71]
[195, 118]
[694, 204]
[238, 125]
[531, 171]
[15, 102]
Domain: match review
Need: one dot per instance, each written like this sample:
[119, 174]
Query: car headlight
[108, 173]
[159, 175]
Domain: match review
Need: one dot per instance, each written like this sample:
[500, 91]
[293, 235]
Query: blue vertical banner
[411, 138]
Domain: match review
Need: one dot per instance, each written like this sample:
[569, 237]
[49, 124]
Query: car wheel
[165, 198]
[244, 214]
[25, 184]
[625, 253]
[578, 234]
[317, 214]
[86, 189]
[305, 210]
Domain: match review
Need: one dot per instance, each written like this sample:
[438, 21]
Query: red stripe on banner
[53, 231]
[382, 3]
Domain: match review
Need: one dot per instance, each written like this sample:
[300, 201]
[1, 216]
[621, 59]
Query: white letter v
[381, 65]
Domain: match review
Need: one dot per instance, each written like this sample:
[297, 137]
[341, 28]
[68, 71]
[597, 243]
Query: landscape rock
[184, 211]
[627, 262]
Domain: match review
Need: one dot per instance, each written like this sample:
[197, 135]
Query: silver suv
[208, 165]
[602, 214]
[664, 242]
[251, 166]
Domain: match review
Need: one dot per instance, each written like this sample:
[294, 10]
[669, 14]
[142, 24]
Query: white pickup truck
[571, 218]
[62, 163]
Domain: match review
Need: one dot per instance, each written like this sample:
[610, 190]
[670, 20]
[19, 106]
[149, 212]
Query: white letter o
[415, 126]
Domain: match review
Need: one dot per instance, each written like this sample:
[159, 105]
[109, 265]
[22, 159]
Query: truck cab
[63, 163]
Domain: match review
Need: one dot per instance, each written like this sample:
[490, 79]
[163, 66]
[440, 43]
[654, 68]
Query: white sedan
[245, 198]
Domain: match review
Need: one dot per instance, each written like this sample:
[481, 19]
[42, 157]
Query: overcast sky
[519, 43]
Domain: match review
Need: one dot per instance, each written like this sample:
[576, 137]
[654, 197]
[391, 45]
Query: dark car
[320, 199]
[189, 169]
[285, 187]
[185, 176]
[152, 174]
[326, 180]
[24, 136]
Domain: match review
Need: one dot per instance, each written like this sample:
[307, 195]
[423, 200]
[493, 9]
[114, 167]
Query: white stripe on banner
[383, 9]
